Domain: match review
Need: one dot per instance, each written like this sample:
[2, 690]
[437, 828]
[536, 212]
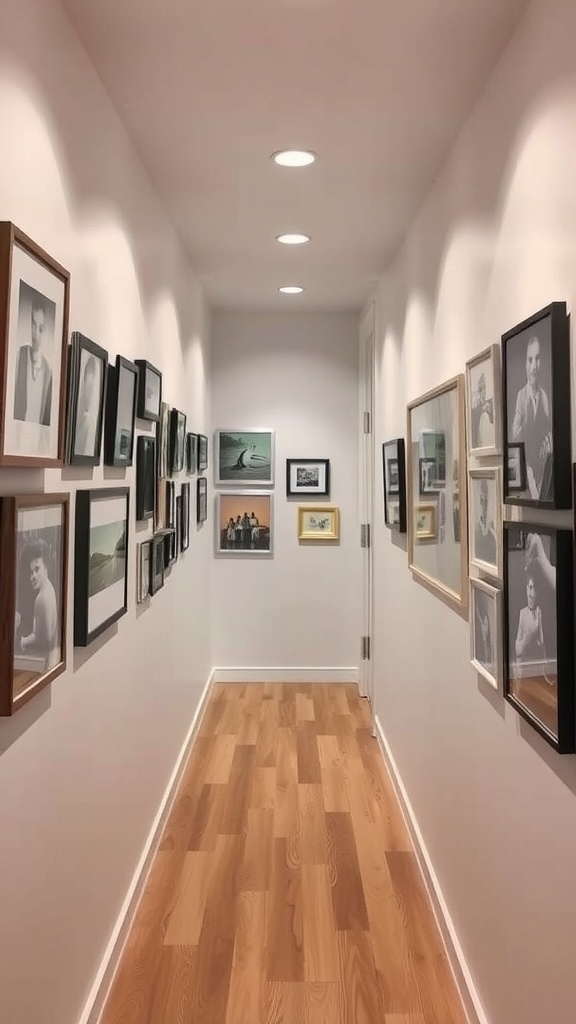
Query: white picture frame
[485, 520]
[484, 404]
[486, 631]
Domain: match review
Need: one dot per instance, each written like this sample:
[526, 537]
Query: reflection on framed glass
[100, 562]
[318, 522]
[191, 452]
[394, 478]
[201, 499]
[177, 440]
[120, 412]
[34, 299]
[485, 631]
[244, 523]
[33, 582]
[185, 521]
[157, 563]
[516, 467]
[308, 478]
[429, 484]
[244, 457]
[483, 403]
[536, 387]
[485, 520]
[144, 557]
[163, 441]
[437, 532]
[539, 630]
[145, 477]
[202, 452]
[87, 369]
[149, 391]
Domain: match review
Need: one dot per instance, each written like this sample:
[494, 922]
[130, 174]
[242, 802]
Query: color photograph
[244, 456]
[244, 523]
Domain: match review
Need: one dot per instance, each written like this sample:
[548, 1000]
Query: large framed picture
[483, 403]
[201, 499]
[120, 412]
[318, 522]
[202, 453]
[34, 301]
[539, 629]
[149, 391]
[100, 562]
[244, 457]
[185, 517]
[191, 452]
[308, 478]
[144, 563]
[157, 563]
[145, 477]
[437, 529]
[485, 520]
[536, 387]
[33, 584]
[394, 480]
[244, 523]
[486, 631]
[177, 441]
[87, 370]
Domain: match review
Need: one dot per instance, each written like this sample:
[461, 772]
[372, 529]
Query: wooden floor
[285, 889]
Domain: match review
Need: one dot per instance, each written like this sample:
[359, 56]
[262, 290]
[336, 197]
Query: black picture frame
[170, 548]
[120, 413]
[185, 521]
[149, 400]
[144, 571]
[536, 361]
[516, 460]
[145, 477]
[191, 453]
[163, 442]
[87, 377]
[202, 452]
[201, 499]
[539, 629]
[393, 452]
[157, 563]
[170, 506]
[102, 527]
[177, 440]
[308, 478]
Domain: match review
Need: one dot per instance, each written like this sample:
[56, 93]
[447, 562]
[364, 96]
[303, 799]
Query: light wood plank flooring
[285, 889]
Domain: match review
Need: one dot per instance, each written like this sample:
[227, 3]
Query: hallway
[285, 889]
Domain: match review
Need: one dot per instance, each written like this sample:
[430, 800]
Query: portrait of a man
[88, 408]
[484, 540]
[531, 417]
[33, 384]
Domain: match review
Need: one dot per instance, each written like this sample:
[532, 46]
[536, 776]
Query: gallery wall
[84, 765]
[295, 373]
[496, 806]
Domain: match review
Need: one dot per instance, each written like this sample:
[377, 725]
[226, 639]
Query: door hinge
[366, 422]
[365, 535]
[365, 648]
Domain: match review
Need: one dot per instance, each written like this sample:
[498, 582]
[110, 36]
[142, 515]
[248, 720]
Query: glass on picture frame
[145, 477]
[483, 403]
[120, 412]
[149, 400]
[394, 483]
[87, 371]
[485, 520]
[100, 561]
[486, 631]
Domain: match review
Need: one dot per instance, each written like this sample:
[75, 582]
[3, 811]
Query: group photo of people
[244, 525]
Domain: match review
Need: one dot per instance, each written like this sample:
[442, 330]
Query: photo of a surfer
[245, 456]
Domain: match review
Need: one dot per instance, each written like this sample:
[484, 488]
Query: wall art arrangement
[100, 561]
[87, 373]
[318, 523]
[394, 483]
[308, 478]
[244, 457]
[244, 523]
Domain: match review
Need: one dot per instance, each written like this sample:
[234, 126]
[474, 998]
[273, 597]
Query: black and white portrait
[532, 614]
[529, 401]
[482, 401]
[34, 367]
[39, 584]
[484, 624]
[125, 412]
[392, 479]
[485, 520]
[163, 440]
[88, 409]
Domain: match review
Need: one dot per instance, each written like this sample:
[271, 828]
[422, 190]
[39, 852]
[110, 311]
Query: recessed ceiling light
[291, 289]
[293, 239]
[294, 157]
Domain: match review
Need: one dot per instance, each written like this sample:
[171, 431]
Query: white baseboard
[101, 986]
[286, 675]
[454, 951]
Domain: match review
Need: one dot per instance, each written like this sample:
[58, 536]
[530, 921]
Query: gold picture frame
[426, 525]
[318, 522]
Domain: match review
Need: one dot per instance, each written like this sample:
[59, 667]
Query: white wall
[83, 766]
[495, 241]
[295, 373]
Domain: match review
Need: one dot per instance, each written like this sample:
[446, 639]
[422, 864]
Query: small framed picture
[120, 412]
[149, 391]
[87, 370]
[157, 563]
[144, 558]
[202, 453]
[426, 521]
[318, 522]
[516, 467]
[483, 403]
[485, 512]
[429, 484]
[177, 440]
[244, 523]
[145, 477]
[34, 300]
[244, 457]
[191, 453]
[170, 515]
[33, 583]
[100, 562]
[201, 499]
[536, 386]
[170, 548]
[486, 631]
[163, 442]
[394, 479]
[185, 520]
[539, 629]
[308, 478]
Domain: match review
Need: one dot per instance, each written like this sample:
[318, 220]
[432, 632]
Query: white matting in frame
[485, 520]
[108, 530]
[486, 631]
[483, 403]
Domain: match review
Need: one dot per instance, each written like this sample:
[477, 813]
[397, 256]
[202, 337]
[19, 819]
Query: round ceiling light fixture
[291, 289]
[293, 238]
[294, 157]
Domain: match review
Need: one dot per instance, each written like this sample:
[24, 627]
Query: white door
[365, 412]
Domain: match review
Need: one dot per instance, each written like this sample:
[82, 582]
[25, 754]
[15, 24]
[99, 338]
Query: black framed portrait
[191, 452]
[163, 441]
[201, 499]
[145, 477]
[177, 440]
[170, 547]
[394, 482]
[100, 561]
[185, 520]
[536, 408]
[87, 370]
[202, 452]
[149, 391]
[157, 563]
[144, 570]
[120, 412]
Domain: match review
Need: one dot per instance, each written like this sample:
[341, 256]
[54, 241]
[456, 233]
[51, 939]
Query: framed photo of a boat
[244, 457]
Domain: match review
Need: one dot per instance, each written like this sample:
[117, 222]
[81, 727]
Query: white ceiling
[378, 88]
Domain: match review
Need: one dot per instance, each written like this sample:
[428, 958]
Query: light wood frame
[491, 353]
[493, 569]
[496, 595]
[333, 533]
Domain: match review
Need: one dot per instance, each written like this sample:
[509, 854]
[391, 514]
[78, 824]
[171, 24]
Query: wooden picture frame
[149, 401]
[100, 561]
[120, 413]
[486, 631]
[308, 478]
[318, 523]
[87, 378]
[145, 477]
[485, 520]
[484, 403]
[394, 484]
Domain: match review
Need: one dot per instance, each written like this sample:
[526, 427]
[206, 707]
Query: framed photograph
[163, 442]
[87, 370]
[318, 522]
[483, 403]
[149, 391]
[436, 462]
[516, 467]
[308, 478]
[157, 563]
[244, 457]
[145, 477]
[34, 300]
[536, 387]
[485, 520]
[244, 523]
[120, 412]
[100, 562]
[191, 453]
[202, 452]
[185, 520]
[170, 513]
[201, 499]
[394, 479]
[33, 582]
[144, 561]
[539, 630]
[177, 441]
[170, 548]
[486, 631]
